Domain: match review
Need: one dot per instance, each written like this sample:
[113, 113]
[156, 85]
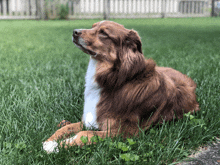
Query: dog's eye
[102, 33]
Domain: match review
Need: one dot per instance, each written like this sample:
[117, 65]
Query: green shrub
[64, 11]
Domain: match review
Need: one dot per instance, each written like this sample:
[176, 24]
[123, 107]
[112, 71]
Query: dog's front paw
[50, 146]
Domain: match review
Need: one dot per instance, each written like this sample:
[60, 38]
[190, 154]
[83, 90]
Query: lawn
[42, 82]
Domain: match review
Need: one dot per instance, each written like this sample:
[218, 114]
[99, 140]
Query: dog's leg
[66, 131]
[50, 144]
[89, 134]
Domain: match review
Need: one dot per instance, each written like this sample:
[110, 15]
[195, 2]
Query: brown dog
[123, 90]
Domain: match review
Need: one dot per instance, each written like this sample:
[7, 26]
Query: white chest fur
[91, 96]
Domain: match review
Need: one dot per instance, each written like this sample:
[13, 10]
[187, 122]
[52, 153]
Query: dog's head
[106, 40]
[119, 51]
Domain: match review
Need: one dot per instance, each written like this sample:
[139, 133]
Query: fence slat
[135, 6]
[90, 6]
[201, 7]
[69, 7]
[4, 7]
[153, 6]
[27, 6]
[32, 8]
[22, 9]
[94, 3]
[127, 10]
[197, 7]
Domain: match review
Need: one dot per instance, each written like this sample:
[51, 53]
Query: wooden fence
[20, 9]
[89, 9]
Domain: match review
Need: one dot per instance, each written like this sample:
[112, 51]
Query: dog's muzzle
[78, 41]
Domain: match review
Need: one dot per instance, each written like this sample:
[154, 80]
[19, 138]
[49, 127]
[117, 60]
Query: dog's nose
[77, 32]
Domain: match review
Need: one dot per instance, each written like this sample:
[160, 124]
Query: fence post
[213, 8]
[42, 9]
[106, 8]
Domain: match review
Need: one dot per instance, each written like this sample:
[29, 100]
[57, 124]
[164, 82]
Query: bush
[64, 11]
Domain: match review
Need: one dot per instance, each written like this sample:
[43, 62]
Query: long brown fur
[134, 91]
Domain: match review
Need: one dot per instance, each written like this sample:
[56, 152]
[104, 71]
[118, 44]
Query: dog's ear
[132, 61]
[133, 41]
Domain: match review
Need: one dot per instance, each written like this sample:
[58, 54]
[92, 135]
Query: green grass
[42, 82]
